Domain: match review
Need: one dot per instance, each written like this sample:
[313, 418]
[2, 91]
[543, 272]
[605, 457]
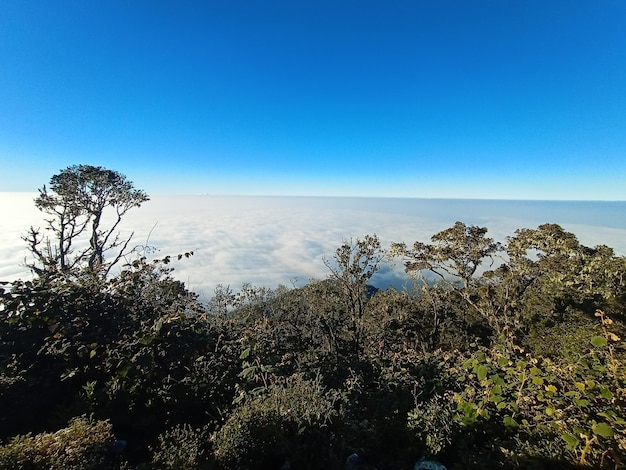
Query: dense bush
[290, 423]
[182, 447]
[83, 445]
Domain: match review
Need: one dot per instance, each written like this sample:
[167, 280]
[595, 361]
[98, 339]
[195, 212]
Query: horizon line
[329, 196]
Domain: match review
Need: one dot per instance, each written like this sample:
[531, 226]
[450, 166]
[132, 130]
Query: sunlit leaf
[572, 441]
[598, 341]
[602, 429]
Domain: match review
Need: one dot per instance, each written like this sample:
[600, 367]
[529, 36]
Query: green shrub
[182, 447]
[290, 423]
[536, 402]
[84, 444]
[432, 424]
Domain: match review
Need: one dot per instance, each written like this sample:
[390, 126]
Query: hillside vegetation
[499, 355]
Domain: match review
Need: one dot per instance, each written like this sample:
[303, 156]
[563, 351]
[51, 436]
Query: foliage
[542, 274]
[290, 424]
[518, 402]
[355, 264]
[182, 447]
[75, 205]
[511, 355]
[136, 349]
[84, 444]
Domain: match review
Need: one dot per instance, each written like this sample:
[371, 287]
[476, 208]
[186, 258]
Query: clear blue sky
[479, 99]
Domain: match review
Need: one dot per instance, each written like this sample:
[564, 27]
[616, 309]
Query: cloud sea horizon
[267, 241]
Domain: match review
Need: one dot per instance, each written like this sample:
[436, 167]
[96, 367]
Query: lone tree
[355, 264]
[76, 201]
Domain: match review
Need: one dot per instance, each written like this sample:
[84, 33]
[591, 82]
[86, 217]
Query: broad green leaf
[481, 372]
[503, 361]
[510, 422]
[606, 393]
[598, 341]
[602, 429]
[572, 441]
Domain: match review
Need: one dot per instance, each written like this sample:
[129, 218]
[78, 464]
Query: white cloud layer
[272, 240]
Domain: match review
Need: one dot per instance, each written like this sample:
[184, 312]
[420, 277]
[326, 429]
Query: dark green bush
[292, 423]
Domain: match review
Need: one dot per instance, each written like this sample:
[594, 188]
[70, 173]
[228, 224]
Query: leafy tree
[76, 203]
[355, 264]
[455, 256]
[539, 274]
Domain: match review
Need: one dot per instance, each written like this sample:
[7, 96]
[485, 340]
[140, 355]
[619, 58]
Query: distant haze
[273, 240]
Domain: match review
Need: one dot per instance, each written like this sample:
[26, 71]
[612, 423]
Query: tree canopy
[75, 203]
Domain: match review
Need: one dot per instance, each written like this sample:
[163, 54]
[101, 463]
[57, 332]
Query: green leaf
[248, 371]
[537, 380]
[245, 353]
[510, 422]
[572, 441]
[602, 429]
[598, 341]
[481, 372]
[606, 393]
[468, 364]
[503, 361]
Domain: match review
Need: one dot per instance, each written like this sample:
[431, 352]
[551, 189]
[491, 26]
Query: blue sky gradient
[452, 99]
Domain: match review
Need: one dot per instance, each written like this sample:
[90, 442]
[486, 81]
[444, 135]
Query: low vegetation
[500, 355]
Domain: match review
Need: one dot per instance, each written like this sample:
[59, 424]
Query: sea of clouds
[269, 241]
